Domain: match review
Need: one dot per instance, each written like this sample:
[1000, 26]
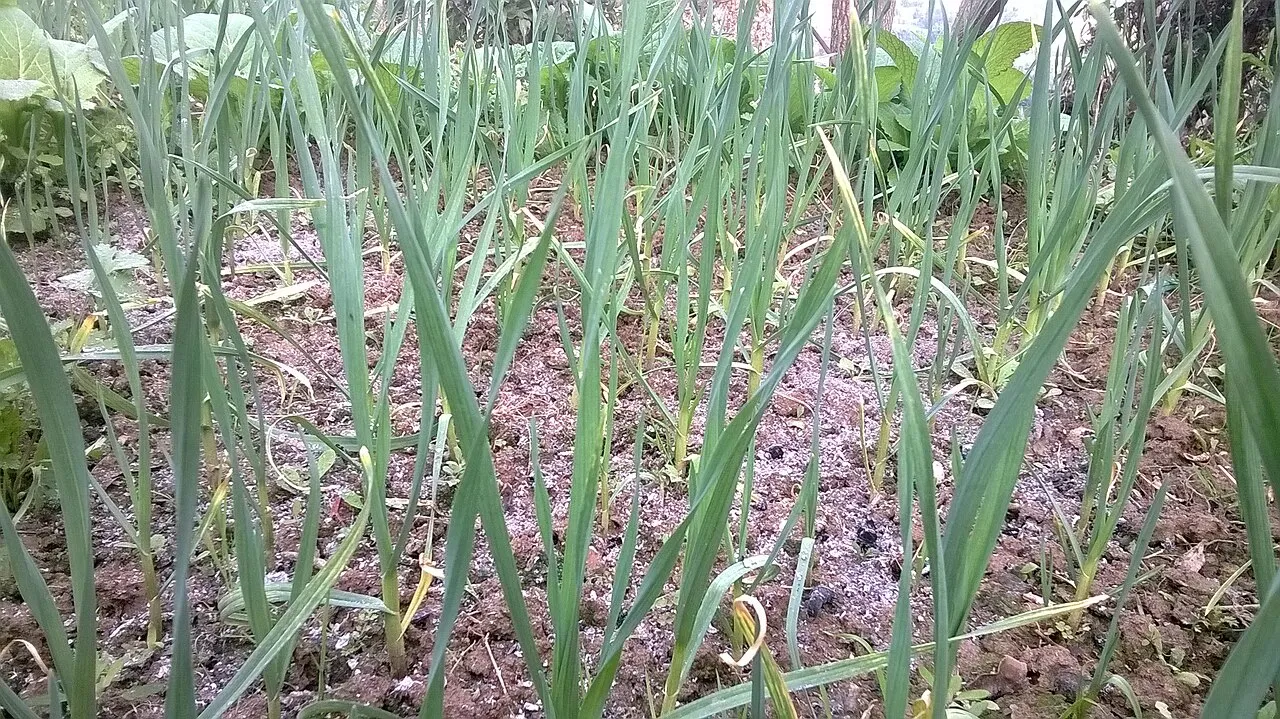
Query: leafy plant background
[41, 79]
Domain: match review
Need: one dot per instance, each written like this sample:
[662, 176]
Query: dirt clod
[818, 599]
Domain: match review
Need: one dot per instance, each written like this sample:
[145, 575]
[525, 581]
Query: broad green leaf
[73, 67]
[24, 47]
[1009, 85]
[998, 49]
[12, 90]
[200, 40]
[903, 58]
[888, 80]
[112, 26]
[115, 261]
[1005, 44]
[27, 53]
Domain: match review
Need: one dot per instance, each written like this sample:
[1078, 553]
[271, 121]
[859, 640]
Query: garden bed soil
[1170, 644]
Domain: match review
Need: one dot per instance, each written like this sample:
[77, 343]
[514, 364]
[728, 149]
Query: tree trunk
[839, 26]
[884, 10]
[977, 16]
[883, 14]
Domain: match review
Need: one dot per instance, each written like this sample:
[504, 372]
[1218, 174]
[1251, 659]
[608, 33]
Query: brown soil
[1170, 645]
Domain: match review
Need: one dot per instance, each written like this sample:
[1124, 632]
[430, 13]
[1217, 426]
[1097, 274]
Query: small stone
[1010, 677]
[1188, 679]
[594, 562]
[786, 406]
[1066, 684]
[1012, 669]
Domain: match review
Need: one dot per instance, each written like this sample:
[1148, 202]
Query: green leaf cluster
[40, 77]
[903, 90]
